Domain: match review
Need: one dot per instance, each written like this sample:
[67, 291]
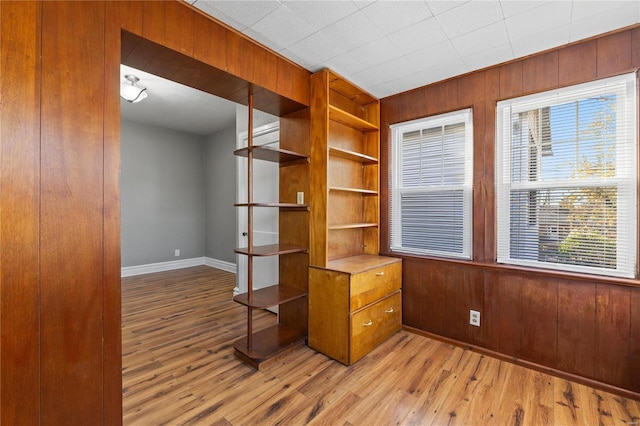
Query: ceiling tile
[345, 64]
[511, 7]
[539, 20]
[321, 13]
[315, 48]
[605, 20]
[408, 82]
[376, 52]
[208, 6]
[489, 57]
[353, 31]
[586, 9]
[283, 27]
[418, 36]
[247, 12]
[469, 16]
[445, 69]
[438, 6]
[386, 72]
[541, 41]
[483, 39]
[426, 58]
[382, 90]
[391, 16]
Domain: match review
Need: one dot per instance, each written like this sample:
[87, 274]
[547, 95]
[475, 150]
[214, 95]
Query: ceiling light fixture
[130, 91]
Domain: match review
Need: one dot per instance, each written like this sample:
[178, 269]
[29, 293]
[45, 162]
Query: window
[431, 195]
[566, 178]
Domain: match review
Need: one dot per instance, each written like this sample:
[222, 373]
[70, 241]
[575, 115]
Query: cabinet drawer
[374, 324]
[372, 285]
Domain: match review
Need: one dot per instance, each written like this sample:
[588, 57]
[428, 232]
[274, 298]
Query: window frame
[464, 116]
[625, 180]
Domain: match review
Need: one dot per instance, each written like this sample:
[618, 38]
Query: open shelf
[268, 343]
[270, 296]
[271, 250]
[356, 190]
[278, 205]
[352, 155]
[353, 225]
[343, 117]
[273, 155]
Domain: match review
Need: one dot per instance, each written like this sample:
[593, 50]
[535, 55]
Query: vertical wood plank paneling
[474, 295]
[112, 324]
[578, 63]
[456, 307]
[486, 146]
[211, 49]
[265, 68]
[503, 306]
[471, 89]
[72, 195]
[613, 310]
[20, 79]
[540, 72]
[539, 320]
[126, 15]
[479, 193]
[635, 48]
[510, 80]
[153, 21]
[614, 54]
[411, 292]
[634, 340]
[293, 82]
[432, 315]
[240, 54]
[179, 34]
[576, 327]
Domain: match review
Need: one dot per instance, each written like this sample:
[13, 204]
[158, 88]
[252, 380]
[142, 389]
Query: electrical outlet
[300, 198]
[177, 252]
[474, 318]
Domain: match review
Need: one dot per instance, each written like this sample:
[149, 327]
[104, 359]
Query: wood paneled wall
[60, 353]
[579, 325]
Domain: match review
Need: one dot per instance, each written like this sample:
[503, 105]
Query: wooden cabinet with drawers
[355, 297]
[354, 305]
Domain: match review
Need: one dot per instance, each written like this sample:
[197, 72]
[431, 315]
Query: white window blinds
[566, 178]
[431, 194]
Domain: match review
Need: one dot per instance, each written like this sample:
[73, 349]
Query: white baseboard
[129, 271]
[220, 264]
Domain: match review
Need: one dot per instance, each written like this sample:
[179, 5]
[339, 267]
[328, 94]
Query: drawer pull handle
[368, 324]
[389, 311]
[379, 274]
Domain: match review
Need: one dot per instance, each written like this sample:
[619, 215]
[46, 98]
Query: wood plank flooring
[179, 369]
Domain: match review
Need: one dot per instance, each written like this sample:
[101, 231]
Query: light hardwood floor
[179, 368]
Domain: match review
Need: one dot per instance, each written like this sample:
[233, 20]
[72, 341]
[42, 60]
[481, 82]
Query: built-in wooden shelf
[273, 155]
[353, 225]
[268, 344]
[352, 155]
[343, 117]
[271, 250]
[278, 205]
[270, 296]
[356, 190]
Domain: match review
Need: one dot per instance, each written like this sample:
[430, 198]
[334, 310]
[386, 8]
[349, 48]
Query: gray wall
[220, 189]
[162, 194]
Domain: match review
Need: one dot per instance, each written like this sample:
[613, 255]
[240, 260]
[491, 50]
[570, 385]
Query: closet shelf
[282, 156]
[353, 225]
[356, 190]
[268, 343]
[279, 205]
[350, 120]
[271, 250]
[352, 155]
[270, 296]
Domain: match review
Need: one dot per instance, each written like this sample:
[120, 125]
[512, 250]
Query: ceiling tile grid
[390, 46]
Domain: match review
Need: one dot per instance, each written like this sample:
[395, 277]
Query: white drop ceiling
[384, 46]
[390, 46]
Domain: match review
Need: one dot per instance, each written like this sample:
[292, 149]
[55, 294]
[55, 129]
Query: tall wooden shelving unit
[290, 294]
[354, 294]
